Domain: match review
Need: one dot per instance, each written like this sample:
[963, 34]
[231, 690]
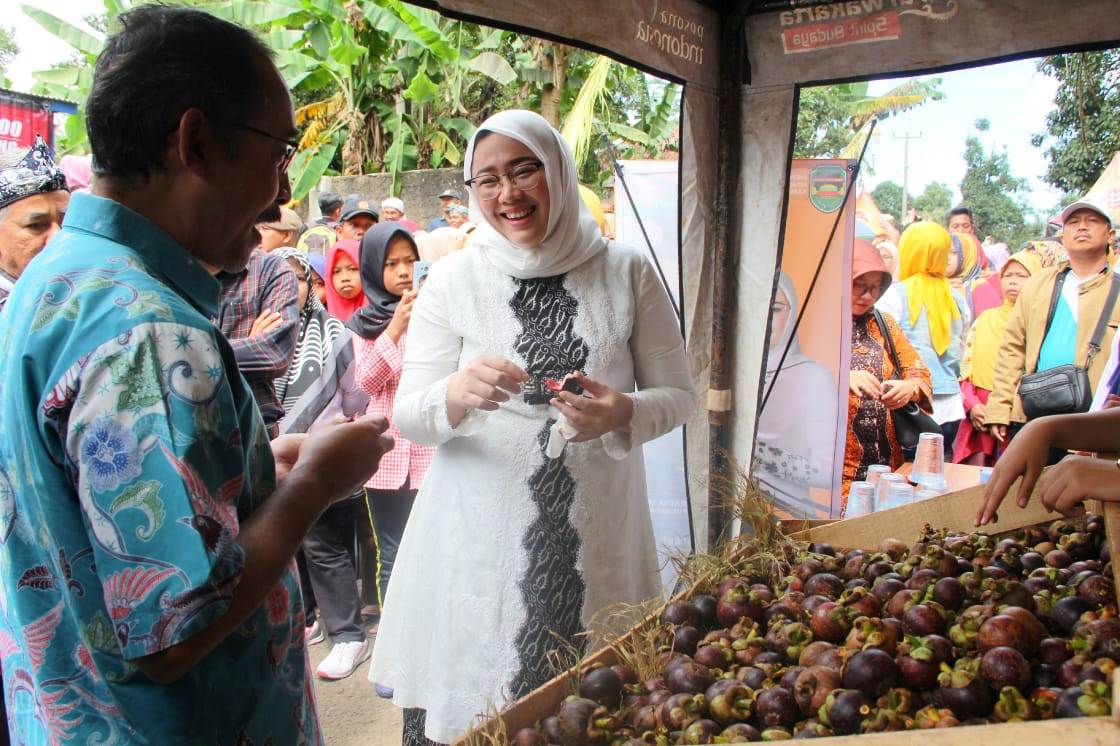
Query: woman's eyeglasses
[524, 177]
[859, 289]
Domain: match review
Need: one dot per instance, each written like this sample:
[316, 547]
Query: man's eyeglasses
[524, 177]
[291, 145]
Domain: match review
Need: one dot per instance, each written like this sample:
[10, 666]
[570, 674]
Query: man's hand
[285, 451]
[343, 456]
[604, 411]
[266, 322]
[1074, 479]
[864, 384]
[1025, 457]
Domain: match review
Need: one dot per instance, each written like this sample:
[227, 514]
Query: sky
[1013, 96]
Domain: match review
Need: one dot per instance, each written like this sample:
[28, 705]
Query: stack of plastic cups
[874, 472]
[861, 500]
[881, 489]
[929, 463]
[898, 494]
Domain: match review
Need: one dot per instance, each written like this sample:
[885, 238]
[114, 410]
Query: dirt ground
[350, 714]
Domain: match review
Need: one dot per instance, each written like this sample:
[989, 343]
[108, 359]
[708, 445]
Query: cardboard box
[955, 511]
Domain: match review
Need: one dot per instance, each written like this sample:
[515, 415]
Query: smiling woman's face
[519, 215]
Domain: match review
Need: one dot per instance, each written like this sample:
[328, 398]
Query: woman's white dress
[505, 549]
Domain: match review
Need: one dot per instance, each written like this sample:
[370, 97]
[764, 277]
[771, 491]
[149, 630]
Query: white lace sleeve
[431, 357]
[664, 398]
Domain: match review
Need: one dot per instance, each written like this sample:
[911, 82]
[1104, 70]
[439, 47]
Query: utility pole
[906, 169]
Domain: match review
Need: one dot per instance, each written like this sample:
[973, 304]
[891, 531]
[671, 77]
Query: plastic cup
[929, 458]
[882, 487]
[898, 494]
[861, 499]
[985, 474]
[875, 471]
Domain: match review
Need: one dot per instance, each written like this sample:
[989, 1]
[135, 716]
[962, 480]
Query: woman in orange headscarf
[974, 445]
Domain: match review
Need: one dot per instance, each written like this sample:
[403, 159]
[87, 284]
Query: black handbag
[1065, 389]
[909, 421]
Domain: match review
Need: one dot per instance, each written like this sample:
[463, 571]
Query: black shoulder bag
[909, 420]
[1065, 389]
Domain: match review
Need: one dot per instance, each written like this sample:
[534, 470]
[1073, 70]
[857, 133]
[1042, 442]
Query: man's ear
[196, 141]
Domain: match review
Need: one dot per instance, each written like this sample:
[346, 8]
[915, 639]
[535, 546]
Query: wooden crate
[955, 511]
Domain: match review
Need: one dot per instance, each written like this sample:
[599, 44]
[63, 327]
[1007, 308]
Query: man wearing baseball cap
[282, 232]
[358, 216]
[447, 199]
[33, 201]
[1080, 291]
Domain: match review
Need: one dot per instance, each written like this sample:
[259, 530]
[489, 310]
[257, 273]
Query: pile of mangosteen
[958, 629]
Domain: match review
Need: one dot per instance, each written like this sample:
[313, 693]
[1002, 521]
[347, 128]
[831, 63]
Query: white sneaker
[343, 660]
[314, 634]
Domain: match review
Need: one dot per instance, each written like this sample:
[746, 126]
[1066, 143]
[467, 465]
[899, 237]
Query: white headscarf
[573, 236]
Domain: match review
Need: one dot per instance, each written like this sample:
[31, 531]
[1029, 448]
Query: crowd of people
[226, 435]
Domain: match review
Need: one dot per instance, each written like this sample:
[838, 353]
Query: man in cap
[330, 209]
[33, 200]
[392, 209]
[447, 199]
[358, 216]
[1083, 285]
[458, 216]
[280, 233]
[137, 487]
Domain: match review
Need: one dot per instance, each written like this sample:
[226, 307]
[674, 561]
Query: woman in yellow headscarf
[974, 445]
[932, 316]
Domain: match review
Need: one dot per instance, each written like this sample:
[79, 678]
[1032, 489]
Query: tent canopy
[742, 63]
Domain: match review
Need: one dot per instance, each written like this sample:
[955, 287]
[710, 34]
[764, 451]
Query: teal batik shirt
[130, 452]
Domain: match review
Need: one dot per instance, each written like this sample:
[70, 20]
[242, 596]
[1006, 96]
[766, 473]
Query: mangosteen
[830, 622]
[1036, 630]
[677, 712]
[1045, 701]
[1013, 707]
[808, 568]
[920, 665]
[680, 612]
[1100, 638]
[776, 707]
[1031, 561]
[603, 686]
[877, 568]
[730, 701]
[885, 588]
[1004, 666]
[1069, 673]
[740, 733]
[1043, 675]
[844, 710]
[824, 584]
[893, 548]
[752, 677]
[1066, 612]
[529, 737]
[716, 655]
[931, 716]
[853, 565]
[964, 691]
[921, 579]
[700, 731]
[813, 686]
[820, 653]
[1058, 558]
[685, 639]
[689, 677]
[705, 606]
[901, 601]
[949, 593]
[789, 677]
[870, 633]
[768, 657]
[584, 721]
[924, 619]
[860, 601]
[966, 630]
[1003, 630]
[1090, 699]
[811, 729]
[737, 603]
[812, 603]
[777, 734]
[870, 671]
[855, 583]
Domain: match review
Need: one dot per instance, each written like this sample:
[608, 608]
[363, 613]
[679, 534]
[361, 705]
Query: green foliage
[995, 196]
[935, 202]
[8, 51]
[1083, 130]
[888, 196]
[383, 85]
[834, 121]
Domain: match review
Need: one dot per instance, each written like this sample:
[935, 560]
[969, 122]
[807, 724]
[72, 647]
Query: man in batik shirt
[147, 528]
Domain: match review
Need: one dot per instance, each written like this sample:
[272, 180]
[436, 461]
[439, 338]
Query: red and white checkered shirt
[379, 366]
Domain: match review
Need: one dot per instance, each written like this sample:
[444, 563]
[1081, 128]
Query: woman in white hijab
[524, 528]
[796, 442]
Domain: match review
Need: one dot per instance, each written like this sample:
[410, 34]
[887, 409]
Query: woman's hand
[266, 322]
[484, 384]
[896, 393]
[864, 384]
[604, 410]
[1025, 457]
[977, 415]
[398, 325]
[1075, 479]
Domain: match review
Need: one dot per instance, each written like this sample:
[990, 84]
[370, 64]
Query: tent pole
[732, 61]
